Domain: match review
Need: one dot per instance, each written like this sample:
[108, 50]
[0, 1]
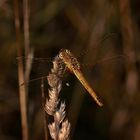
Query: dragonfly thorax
[69, 59]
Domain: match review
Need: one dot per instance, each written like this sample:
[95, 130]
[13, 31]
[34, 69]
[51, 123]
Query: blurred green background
[104, 35]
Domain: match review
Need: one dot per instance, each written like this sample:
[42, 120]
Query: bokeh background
[103, 34]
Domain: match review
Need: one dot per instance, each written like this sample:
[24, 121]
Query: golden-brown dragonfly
[73, 65]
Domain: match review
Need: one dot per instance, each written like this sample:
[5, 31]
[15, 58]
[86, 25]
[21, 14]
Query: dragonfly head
[64, 53]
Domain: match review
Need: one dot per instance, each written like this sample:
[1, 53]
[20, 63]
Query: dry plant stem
[123, 114]
[128, 35]
[22, 89]
[26, 25]
[23, 103]
[60, 128]
[28, 52]
[28, 65]
[44, 113]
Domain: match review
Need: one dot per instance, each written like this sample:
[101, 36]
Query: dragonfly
[73, 65]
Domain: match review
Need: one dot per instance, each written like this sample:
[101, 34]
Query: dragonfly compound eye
[67, 51]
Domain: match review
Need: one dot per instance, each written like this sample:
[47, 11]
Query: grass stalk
[44, 113]
[60, 128]
[22, 89]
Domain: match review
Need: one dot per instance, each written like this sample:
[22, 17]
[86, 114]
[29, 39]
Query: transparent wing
[104, 61]
[107, 52]
[101, 44]
[35, 59]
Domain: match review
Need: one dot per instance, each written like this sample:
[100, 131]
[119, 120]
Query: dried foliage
[60, 128]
